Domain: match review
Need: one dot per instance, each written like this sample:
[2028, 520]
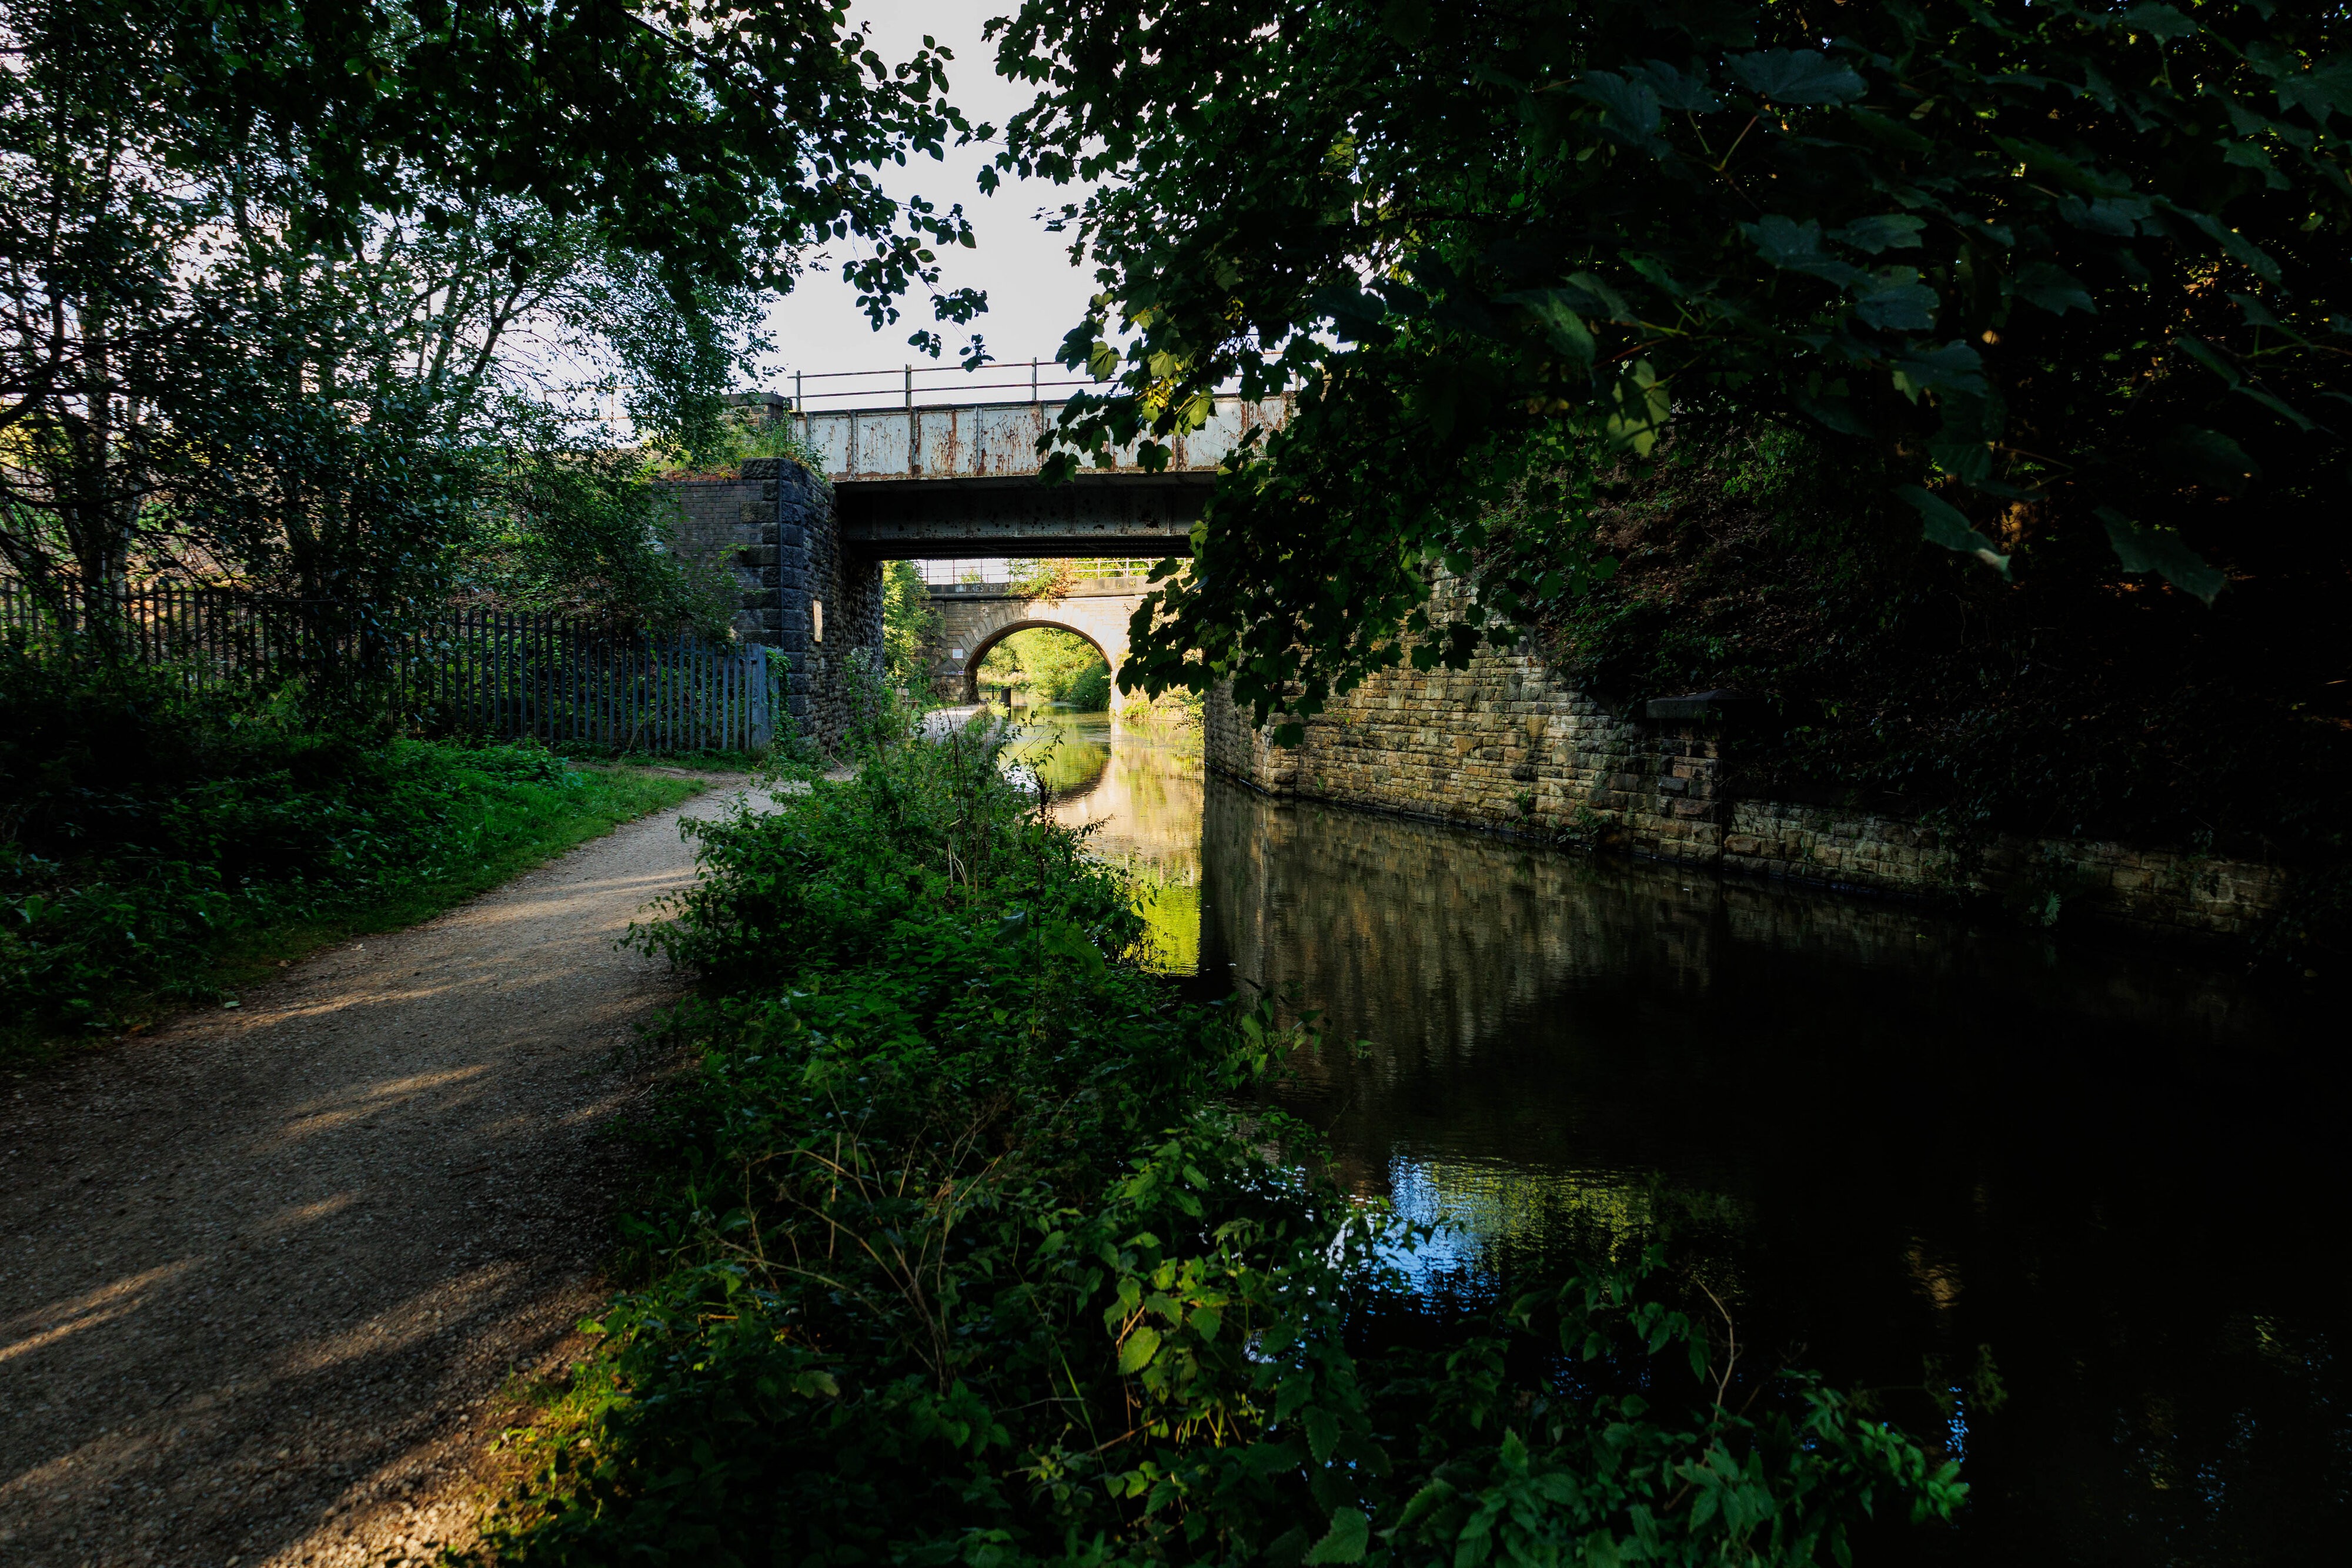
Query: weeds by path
[159, 847]
[965, 1244]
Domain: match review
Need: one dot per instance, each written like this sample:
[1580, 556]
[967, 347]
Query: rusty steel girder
[1132, 514]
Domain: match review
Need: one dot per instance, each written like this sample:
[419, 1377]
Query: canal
[2092, 1197]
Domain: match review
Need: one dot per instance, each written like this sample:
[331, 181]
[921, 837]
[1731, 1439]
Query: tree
[909, 626]
[273, 278]
[2072, 275]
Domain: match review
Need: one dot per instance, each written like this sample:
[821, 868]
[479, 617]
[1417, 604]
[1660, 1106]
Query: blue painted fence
[471, 671]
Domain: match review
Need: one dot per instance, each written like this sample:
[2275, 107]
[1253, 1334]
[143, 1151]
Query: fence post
[763, 728]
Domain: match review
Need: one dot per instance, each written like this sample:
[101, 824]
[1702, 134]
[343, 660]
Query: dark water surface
[1900, 1143]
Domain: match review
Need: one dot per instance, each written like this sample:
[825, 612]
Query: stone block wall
[732, 524]
[773, 528]
[1508, 746]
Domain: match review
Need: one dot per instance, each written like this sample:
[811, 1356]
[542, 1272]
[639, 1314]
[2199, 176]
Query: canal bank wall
[1508, 746]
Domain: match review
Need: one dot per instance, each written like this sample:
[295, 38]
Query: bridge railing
[971, 440]
[913, 386]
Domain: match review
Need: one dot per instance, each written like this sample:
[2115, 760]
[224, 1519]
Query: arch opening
[996, 637]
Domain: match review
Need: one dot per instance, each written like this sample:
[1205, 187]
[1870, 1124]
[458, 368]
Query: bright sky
[1034, 295]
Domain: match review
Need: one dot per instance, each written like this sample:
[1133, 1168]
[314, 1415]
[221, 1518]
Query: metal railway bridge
[936, 473]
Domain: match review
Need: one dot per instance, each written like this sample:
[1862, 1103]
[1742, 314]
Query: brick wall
[1507, 746]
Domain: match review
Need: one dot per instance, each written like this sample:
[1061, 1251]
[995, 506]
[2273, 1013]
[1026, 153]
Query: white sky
[1034, 295]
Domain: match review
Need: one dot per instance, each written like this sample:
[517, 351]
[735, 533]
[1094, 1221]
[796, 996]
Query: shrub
[145, 831]
[964, 1243]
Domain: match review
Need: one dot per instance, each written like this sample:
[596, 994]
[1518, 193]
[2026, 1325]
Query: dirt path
[264, 1276]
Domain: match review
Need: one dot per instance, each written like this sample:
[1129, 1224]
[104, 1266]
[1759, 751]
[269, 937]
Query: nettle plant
[2073, 273]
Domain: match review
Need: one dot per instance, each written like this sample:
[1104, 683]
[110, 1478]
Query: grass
[245, 861]
[519, 836]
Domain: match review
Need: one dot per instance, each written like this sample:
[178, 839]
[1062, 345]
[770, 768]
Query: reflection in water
[1137, 788]
[1896, 1142]
[1888, 1138]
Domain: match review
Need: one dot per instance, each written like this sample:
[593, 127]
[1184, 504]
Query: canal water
[1907, 1148]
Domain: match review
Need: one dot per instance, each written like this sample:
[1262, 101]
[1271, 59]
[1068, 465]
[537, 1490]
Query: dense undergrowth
[964, 1241]
[153, 844]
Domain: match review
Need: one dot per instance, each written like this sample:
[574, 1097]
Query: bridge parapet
[999, 440]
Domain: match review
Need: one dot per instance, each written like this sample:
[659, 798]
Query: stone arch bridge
[942, 482]
[976, 616]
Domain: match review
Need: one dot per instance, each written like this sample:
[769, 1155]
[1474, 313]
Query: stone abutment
[1507, 745]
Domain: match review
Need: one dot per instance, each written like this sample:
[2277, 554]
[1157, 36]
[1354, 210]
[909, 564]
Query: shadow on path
[263, 1274]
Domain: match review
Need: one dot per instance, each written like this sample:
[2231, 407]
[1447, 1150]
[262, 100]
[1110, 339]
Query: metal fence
[475, 671]
[535, 676]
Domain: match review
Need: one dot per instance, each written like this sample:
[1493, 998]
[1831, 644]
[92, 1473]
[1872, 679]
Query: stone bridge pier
[976, 616]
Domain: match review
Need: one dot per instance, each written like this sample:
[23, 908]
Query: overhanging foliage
[2076, 271]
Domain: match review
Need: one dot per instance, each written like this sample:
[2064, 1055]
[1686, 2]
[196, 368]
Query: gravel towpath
[269, 1277]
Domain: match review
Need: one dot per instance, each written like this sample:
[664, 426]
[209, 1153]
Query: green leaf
[2118, 215]
[2141, 548]
[1797, 247]
[1140, 1347]
[2203, 353]
[1436, 1493]
[1600, 299]
[1796, 75]
[1942, 523]
[1955, 367]
[2060, 168]
[1345, 1543]
[2258, 314]
[2209, 457]
[2051, 288]
[1676, 91]
[2325, 90]
[1563, 327]
[1970, 461]
[2235, 245]
[1643, 409]
[1630, 110]
[1322, 1433]
[1066, 940]
[1894, 231]
[1836, 412]
[1896, 301]
[2160, 22]
[2280, 407]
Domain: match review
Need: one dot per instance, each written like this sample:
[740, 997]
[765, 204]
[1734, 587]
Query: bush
[964, 1244]
[145, 831]
[1090, 689]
